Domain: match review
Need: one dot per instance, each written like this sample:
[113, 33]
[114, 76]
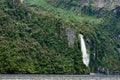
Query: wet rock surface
[70, 37]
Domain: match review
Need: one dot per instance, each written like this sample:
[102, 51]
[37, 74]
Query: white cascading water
[85, 55]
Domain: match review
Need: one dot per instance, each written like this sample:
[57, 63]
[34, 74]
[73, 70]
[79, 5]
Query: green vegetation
[30, 43]
[33, 39]
[62, 13]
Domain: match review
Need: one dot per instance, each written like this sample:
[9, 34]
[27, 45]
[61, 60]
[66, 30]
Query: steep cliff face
[98, 8]
[109, 4]
[106, 3]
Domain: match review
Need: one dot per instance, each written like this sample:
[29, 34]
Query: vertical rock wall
[70, 37]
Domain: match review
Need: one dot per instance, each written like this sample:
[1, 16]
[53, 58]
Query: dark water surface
[57, 77]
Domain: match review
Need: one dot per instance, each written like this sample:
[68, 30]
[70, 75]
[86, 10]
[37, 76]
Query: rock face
[106, 3]
[70, 37]
[110, 4]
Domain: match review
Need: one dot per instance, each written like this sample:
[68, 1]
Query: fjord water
[85, 55]
[56, 77]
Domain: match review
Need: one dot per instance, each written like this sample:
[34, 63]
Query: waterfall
[21, 1]
[85, 55]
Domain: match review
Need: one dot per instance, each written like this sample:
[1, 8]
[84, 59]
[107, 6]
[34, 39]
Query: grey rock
[109, 4]
[70, 37]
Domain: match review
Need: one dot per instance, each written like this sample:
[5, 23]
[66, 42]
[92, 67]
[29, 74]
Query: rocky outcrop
[70, 37]
[106, 3]
[110, 4]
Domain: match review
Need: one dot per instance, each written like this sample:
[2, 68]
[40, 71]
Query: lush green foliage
[41, 4]
[102, 38]
[30, 43]
[33, 39]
